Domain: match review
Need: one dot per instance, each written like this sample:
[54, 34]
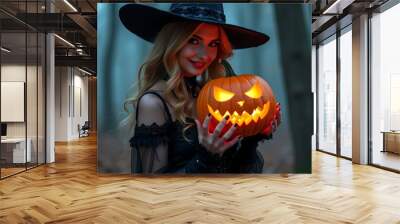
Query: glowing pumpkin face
[247, 99]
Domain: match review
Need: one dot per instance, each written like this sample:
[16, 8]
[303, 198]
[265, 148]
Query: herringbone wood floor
[70, 191]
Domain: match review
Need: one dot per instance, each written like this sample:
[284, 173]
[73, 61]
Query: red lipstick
[197, 64]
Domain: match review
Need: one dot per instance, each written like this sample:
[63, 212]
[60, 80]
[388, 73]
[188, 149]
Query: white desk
[18, 149]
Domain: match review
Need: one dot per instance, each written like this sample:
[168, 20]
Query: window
[327, 95]
[385, 88]
[346, 92]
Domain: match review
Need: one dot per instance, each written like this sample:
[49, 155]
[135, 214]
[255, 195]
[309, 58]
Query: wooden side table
[391, 141]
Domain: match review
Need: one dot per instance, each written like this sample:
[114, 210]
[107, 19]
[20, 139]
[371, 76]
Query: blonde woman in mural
[190, 42]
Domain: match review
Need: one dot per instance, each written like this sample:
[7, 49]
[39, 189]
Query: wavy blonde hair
[162, 63]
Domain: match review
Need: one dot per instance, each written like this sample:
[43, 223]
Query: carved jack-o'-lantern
[247, 99]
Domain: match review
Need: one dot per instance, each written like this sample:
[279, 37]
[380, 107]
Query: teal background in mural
[284, 61]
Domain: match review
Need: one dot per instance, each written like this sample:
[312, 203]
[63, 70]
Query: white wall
[80, 110]
[71, 102]
[16, 73]
[33, 126]
[61, 103]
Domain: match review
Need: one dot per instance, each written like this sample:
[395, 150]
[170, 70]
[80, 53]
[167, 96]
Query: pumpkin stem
[228, 68]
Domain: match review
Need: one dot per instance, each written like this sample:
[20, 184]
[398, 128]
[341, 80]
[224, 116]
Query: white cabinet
[18, 149]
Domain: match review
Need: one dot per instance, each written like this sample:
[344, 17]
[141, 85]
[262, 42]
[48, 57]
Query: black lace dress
[186, 155]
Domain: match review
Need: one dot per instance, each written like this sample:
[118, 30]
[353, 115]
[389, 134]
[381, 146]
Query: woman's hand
[211, 141]
[275, 121]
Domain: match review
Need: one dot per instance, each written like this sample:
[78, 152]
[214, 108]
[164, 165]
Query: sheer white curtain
[346, 93]
[385, 78]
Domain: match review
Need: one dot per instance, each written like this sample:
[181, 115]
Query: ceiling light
[337, 7]
[84, 71]
[5, 50]
[65, 41]
[326, 11]
[70, 5]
